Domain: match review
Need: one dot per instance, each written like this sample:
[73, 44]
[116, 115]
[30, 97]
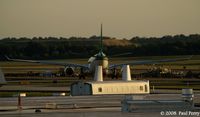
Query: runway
[81, 106]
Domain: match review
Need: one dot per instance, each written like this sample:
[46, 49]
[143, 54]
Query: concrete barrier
[51, 106]
[60, 105]
[155, 105]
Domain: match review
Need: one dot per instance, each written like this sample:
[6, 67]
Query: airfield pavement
[81, 106]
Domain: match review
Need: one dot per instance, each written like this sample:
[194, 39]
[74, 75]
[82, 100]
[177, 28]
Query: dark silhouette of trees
[52, 47]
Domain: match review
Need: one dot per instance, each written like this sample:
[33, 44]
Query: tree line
[81, 47]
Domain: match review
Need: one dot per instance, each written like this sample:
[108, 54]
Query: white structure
[2, 79]
[98, 76]
[126, 74]
[99, 87]
[110, 87]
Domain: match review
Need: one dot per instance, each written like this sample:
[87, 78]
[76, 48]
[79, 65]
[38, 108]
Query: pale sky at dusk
[82, 18]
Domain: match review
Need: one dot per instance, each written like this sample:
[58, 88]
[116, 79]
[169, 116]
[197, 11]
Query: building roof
[113, 82]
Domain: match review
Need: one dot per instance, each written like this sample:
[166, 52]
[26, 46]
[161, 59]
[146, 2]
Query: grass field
[22, 67]
[157, 83]
[28, 94]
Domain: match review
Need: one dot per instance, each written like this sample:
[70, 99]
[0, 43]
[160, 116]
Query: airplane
[98, 59]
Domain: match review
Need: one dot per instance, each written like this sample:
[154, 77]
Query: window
[146, 89]
[141, 88]
[99, 89]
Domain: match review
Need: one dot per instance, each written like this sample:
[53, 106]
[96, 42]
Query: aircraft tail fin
[101, 37]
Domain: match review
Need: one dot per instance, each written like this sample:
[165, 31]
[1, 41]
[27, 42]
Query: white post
[98, 76]
[2, 78]
[126, 74]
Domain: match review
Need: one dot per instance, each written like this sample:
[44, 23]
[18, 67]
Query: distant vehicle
[98, 59]
[2, 79]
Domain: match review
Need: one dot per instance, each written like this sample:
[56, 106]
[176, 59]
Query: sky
[82, 18]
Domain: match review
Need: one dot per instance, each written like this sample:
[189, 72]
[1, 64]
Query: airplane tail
[101, 38]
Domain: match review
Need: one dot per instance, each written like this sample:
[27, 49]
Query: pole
[19, 105]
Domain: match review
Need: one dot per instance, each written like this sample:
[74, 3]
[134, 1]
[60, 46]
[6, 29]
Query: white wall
[121, 88]
[106, 87]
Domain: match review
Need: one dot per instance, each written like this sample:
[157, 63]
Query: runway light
[22, 94]
[62, 94]
[59, 94]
